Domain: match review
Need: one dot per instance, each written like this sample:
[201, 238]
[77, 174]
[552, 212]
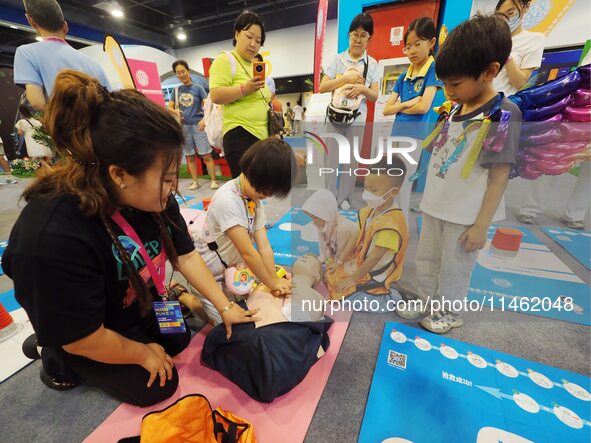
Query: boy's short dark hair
[270, 167]
[47, 14]
[396, 167]
[180, 62]
[363, 21]
[259, 57]
[472, 46]
[244, 21]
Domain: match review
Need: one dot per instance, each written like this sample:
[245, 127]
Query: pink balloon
[553, 168]
[563, 148]
[529, 172]
[543, 154]
[581, 97]
[577, 114]
[574, 131]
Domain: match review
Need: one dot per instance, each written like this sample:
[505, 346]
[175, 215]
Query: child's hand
[473, 238]
[345, 284]
[281, 287]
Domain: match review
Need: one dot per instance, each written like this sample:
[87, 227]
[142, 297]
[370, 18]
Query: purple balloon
[548, 93]
[532, 115]
[577, 114]
[581, 98]
[529, 128]
[585, 72]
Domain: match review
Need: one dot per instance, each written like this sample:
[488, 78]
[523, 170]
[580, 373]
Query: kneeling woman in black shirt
[87, 252]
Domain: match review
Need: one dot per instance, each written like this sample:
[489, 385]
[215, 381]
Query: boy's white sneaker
[441, 323]
[411, 310]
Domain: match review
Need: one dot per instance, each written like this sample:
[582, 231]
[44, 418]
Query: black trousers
[236, 143]
[126, 383]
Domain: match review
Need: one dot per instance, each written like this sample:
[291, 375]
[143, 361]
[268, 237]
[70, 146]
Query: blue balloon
[533, 115]
[548, 93]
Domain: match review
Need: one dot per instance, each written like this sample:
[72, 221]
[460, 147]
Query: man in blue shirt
[37, 64]
[187, 104]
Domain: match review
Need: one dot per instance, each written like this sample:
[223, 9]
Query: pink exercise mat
[285, 420]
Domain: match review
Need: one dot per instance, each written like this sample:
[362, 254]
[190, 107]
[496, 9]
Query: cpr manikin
[304, 303]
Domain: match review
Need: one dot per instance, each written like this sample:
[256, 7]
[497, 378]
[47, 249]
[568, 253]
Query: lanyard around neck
[55, 39]
[158, 277]
[249, 206]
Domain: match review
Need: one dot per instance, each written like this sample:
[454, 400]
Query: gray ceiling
[154, 22]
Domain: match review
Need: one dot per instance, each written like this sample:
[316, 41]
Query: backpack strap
[232, 61]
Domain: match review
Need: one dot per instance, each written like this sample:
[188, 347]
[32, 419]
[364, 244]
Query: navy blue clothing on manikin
[269, 361]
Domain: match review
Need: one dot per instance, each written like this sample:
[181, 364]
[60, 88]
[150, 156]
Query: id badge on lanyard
[168, 313]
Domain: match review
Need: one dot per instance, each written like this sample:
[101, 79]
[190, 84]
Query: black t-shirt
[67, 272]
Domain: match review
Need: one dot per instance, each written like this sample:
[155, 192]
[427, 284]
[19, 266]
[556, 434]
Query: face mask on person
[374, 201]
[514, 22]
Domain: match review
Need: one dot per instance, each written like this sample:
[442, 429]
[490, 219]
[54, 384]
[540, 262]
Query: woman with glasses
[360, 82]
[245, 98]
[413, 95]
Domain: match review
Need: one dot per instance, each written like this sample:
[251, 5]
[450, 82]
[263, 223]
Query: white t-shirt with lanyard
[229, 208]
[341, 62]
[34, 148]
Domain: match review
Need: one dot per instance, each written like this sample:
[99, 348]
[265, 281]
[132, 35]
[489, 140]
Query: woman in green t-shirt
[245, 99]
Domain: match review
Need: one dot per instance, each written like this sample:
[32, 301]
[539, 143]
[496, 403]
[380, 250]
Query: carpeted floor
[30, 412]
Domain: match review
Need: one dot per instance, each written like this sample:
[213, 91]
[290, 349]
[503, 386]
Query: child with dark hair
[413, 95]
[374, 259]
[26, 126]
[85, 250]
[466, 178]
[236, 218]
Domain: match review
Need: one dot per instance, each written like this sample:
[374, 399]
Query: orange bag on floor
[191, 420]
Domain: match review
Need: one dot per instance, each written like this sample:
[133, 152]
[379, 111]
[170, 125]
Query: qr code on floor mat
[397, 359]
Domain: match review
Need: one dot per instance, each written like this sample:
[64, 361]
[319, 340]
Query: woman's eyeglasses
[362, 37]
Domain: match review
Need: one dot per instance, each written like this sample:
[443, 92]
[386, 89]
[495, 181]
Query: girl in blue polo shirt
[413, 94]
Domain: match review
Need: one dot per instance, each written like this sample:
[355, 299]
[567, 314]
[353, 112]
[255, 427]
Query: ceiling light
[289, 81]
[181, 36]
[39, 39]
[117, 13]
[14, 27]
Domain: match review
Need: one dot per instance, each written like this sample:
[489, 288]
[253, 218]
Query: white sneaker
[345, 205]
[214, 185]
[194, 186]
[441, 323]
[9, 180]
[411, 310]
